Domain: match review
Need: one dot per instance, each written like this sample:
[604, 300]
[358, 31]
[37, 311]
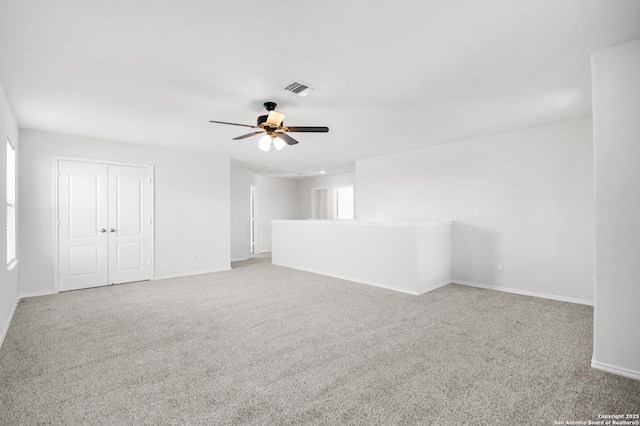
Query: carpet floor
[267, 345]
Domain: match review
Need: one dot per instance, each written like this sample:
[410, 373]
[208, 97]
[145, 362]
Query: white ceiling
[389, 75]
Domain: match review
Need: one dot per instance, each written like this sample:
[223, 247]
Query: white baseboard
[6, 327]
[615, 370]
[526, 293]
[433, 287]
[36, 293]
[165, 277]
[368, 282]
[253, 256]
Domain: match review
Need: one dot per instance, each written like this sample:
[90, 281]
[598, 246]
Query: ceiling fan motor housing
[262, 119]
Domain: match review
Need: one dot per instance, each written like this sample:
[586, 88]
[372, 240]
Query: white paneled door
[82, 230]
[104, 224]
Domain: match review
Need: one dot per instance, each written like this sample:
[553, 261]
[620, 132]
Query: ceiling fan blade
[288, 139]
[234, 124]
[308, 129]
[247, 135]
[275, 118]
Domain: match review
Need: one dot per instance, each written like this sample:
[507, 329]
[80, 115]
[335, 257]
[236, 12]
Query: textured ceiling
[389, 75]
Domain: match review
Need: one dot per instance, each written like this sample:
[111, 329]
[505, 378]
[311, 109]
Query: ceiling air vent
[299, 88]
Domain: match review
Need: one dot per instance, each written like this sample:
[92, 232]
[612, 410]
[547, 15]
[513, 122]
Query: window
[344, 203]
[11, 204]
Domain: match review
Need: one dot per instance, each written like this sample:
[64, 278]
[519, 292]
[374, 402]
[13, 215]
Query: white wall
[191, 205]
[616, 124]
[8, 279]
[241, 182]
[522, 199]
[409, 257]
[332, 182]
[276, 198]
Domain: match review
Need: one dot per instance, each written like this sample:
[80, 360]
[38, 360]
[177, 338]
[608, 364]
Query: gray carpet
[267, 345]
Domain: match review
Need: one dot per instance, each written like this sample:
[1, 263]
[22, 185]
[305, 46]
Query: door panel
[82, 211]
[128, 208]
[84, 203]
[130, 224]
[129, 256]
[83, 260]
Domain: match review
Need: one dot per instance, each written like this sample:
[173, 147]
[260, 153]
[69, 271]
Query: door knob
[102, 230]
[112, 230]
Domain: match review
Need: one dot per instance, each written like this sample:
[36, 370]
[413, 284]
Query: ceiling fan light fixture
[265, 143]
[278, 143]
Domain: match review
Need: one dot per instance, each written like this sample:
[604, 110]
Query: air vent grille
[299, 88]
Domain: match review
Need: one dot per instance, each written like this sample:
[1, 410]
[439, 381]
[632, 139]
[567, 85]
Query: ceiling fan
[274, 130]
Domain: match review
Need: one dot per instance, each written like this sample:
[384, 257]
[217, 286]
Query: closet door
[82, 226]
[129, 224]
[104, 224]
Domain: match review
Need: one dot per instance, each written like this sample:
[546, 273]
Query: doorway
[319, 203]
[252, 224]
[344, 203]
[104, 223]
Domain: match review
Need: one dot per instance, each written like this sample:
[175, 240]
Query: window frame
[11, 201]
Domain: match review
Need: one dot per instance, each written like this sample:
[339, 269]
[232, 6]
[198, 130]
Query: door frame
[56, 219]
